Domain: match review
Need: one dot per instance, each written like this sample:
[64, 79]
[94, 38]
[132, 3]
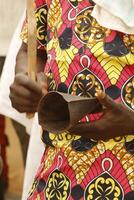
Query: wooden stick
[32, 44]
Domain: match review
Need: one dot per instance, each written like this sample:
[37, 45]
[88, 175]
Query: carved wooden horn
[58, 112]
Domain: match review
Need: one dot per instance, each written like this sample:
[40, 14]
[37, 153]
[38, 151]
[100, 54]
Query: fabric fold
[118, 15]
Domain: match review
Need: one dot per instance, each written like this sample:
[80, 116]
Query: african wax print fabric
[84, 57]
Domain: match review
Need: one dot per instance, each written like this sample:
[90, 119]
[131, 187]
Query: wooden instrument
[58, 112]
[32, 44]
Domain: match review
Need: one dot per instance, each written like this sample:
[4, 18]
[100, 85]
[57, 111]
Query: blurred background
[13, 137]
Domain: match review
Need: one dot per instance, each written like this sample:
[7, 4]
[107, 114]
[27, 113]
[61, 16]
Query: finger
[24, 108]
[43, 82]
[105, 100]
[22, 92]
[28, 83]
[27, 109]
[23, 101]
[94, 127]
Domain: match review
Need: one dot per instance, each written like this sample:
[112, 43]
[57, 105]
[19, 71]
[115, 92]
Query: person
[94, 159]
[6, 109]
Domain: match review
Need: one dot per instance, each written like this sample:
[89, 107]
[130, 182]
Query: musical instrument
[58, 112]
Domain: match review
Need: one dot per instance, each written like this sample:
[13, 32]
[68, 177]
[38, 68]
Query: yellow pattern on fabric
[114, 66]
[129, 98]
[54, 16]
[93, 35]
[63, 57]
[90, 36]
[88, 30]
[82, 161]
[96, 186]
[129, 42]
[52, 83]
[33, 187]
[60, 184]
[41, 19]
[85, 89]
[126, 159]
[59, 140]
[52, 152]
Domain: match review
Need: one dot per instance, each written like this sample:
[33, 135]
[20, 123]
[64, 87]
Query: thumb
[105, 100]
[42, 81]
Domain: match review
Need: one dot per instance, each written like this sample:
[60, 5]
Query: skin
[117, 120]
[24, 92]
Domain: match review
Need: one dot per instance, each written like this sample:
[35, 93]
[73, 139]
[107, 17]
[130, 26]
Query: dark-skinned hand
[117, 120]
[25, 93]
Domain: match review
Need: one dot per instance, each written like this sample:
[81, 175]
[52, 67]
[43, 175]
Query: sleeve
[41, 20]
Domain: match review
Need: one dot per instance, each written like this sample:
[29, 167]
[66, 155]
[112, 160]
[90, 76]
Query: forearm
[21, 60]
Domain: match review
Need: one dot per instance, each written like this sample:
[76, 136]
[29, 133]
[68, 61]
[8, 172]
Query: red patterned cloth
[2, 130]
[3, 144]
[84, 57]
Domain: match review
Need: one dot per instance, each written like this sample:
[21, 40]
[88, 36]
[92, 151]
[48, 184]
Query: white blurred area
[10, 13]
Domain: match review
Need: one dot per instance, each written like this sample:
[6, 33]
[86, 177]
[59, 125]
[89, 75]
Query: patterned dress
[84, 57]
